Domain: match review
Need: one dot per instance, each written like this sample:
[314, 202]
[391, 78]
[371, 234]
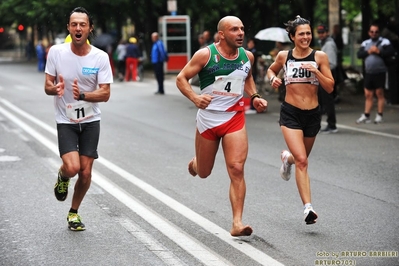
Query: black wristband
[82, 96]
[253, 96]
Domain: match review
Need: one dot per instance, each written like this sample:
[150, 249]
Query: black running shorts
[81, 137]
[374, 81]
[306, 120]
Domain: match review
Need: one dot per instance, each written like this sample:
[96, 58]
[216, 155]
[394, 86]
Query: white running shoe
[310, 215]
[285, 169]
[378, 119]
[363, 119]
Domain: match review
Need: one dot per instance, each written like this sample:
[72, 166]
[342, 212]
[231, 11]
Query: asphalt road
[143, 207]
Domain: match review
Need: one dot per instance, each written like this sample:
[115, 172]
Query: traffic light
[20, 27]
[1, 29]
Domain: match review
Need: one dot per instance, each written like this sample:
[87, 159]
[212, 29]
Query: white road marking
[186, 242]
[152, 244]
[7, 158]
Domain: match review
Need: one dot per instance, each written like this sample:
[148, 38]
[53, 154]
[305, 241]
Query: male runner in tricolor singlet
[224, 69]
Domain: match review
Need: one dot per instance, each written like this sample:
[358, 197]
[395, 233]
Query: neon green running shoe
[61, 188]
[74, 222]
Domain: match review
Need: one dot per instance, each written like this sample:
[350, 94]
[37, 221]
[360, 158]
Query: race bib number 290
[296, 73]
[79, 111]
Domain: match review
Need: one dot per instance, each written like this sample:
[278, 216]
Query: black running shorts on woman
[306, 120]
[81, 137]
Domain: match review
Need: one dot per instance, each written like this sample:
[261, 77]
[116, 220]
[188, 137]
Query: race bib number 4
[79, 111]
[228, 86]
[296, 73]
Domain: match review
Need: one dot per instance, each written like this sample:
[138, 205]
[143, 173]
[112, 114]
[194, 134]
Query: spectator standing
[41, 56]
[121, 58]
[326, 100]
[133, 55]
[339, 42]
[340, 74]
[158, 57]
[373, 51]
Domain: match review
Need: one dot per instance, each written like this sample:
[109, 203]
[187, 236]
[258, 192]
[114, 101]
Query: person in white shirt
[78, 76]
[121, 54]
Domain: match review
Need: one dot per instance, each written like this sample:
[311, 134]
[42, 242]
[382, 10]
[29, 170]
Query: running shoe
[285, 169]
[74, 222]
[363, 119]
[310, 215]
[61, 188]
[328, 130]
[378, 119]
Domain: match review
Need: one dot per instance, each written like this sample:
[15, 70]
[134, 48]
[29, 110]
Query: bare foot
[241, 231]
[191, 167]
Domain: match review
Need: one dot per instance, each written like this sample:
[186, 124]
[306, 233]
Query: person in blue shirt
[41, 56]
[158, 57]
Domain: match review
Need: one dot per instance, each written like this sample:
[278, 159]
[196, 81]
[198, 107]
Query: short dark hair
[375, 24]
[80, 9]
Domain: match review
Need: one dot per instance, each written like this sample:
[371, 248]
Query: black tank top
[293, 73]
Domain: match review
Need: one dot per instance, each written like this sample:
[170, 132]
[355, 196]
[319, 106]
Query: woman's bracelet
[271, 80]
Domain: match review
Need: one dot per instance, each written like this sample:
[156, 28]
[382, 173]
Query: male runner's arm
[101, 94]
[192, 68]
[54, 89]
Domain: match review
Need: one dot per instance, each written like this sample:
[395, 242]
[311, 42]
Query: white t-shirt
[90, 71]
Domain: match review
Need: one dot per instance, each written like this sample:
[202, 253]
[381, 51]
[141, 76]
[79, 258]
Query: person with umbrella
[305, 70]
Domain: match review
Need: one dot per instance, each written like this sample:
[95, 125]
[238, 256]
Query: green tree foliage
[51, 16]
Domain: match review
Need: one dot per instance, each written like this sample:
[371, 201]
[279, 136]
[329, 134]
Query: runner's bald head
[225, 20]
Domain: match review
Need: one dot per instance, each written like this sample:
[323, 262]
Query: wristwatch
[81, 97]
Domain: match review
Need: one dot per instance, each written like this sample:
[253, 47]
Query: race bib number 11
[79, 111]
